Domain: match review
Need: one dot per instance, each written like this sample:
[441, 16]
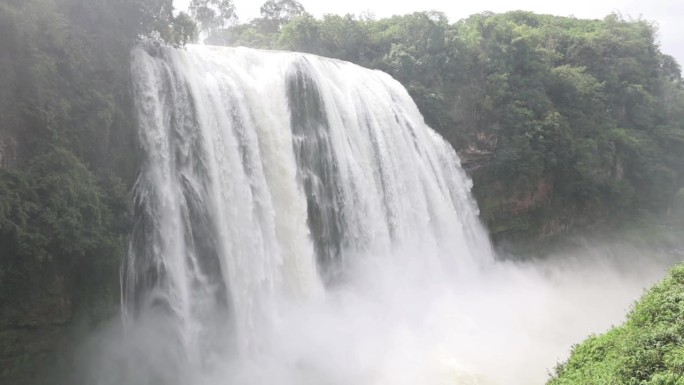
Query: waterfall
[272, 181]
[297, 223]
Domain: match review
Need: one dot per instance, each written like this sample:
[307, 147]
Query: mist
[390, 323]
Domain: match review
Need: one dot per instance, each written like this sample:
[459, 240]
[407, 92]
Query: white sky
[668, 14]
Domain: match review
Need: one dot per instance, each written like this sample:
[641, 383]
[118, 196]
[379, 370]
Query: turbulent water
[298, 223]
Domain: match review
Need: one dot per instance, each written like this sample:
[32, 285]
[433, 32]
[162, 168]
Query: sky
[667, 14]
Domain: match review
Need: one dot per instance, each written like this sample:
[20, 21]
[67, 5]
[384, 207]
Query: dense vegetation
[647, 350]
[67, 162]
[563, 122]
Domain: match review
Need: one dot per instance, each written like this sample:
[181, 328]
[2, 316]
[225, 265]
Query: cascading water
[297, 223]
[268, 174]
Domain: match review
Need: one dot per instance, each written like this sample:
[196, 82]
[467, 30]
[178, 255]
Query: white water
[298, 223]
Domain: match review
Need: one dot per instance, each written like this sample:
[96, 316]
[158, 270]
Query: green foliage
[183, 29]
[67, 161]
[54, 219]
[212, 15]
[66, 119]
[647, 349]
[276, 13]
[302, 31]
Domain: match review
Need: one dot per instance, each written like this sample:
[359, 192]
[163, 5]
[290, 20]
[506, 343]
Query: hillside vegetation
[67, 161]
[647, 350]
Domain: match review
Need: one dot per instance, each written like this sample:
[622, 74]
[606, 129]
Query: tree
[184, 29]
[302, 34]
[212, 15]
[276, 13]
